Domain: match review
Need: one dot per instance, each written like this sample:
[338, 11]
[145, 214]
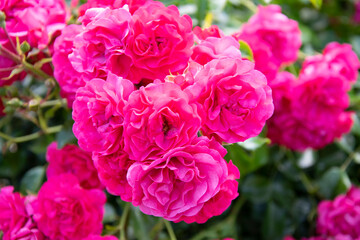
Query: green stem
[31, 68]
[170, 230]
[349, 159]
[123, 221]
[250, 5]
[53, 103]
[8, 54]
[32, 136]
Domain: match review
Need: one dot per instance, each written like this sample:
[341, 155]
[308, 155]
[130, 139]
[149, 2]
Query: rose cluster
[310, 112]
[37, 22]
[61, 210]
[338, 219]
[144, 94]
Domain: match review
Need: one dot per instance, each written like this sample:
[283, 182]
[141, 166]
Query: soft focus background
[279, 189]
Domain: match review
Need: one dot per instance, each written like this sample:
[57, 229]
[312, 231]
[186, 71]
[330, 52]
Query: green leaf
[329, 181]
[256, 188]
[274, 226]
[14, 72]
[317, 3]
[344, 183]
[32, 180]
[110, 213]
[246, 51]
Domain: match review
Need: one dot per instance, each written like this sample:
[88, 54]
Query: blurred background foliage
[279, 189]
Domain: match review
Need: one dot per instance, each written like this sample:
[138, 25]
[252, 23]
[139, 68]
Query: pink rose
[190, 183]
[271, 35]
[98, 113]
[64, 210]
[340, 216]
[72, 159]
[112, 171]
[310, 111]
[158, 117]
[339, 58]
[36, 21]
[202, 34]
[113, 4]
[160, 42]
[233, 98]
[68, 78]
[15, 217]
[97, 237]
[216, 48]
[99, 48]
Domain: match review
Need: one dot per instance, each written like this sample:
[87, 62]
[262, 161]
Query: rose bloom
[98, 113]
[337, 237]
[233, 98]
[98, 237]
[112, 170]
[340, 216]
[201, 34]
[339, 58]
[15, 217]
[158, 117]
[133, 5]
[309, 112]
[160, 42]
[72, 159]
[64, 210]
[68, 78]
[271, 35]
[35, 21]
[190, 183]
[216, 48]
[99, 48]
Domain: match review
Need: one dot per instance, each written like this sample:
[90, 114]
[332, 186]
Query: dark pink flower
[72, 159]
[233, 98]
[160, 42]
[158, 117]
[36, 21]
[338, 58]
[113, 4]
[112, 171]
[64, 210]
[274, 38]
[201, 34]
[340, 216]
[98, 113]
[216, 48]
[190, 183]
[99, 48]
[68, 78]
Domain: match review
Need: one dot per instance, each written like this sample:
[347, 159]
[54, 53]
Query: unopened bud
[14, 102]
[25, 47]
[33, 104]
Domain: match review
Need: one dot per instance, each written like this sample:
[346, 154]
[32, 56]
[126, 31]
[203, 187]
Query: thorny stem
[123, 221]
[170, 230]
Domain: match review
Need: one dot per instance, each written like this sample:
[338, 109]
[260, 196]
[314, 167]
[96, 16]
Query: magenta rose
[272, 36]
[339, 58]
[189, 183]
[112, 171]
[310, 111]
[216, 48]
[233, 98]
[16, 221]
[160, 42]
[340, 216]
[98, 237]
[158, 117]
[98, 113]
[64, 210]
[35, 21]
[72, 159]
[133, 5]
[68, 78]
[100, 46]
[201, 34]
